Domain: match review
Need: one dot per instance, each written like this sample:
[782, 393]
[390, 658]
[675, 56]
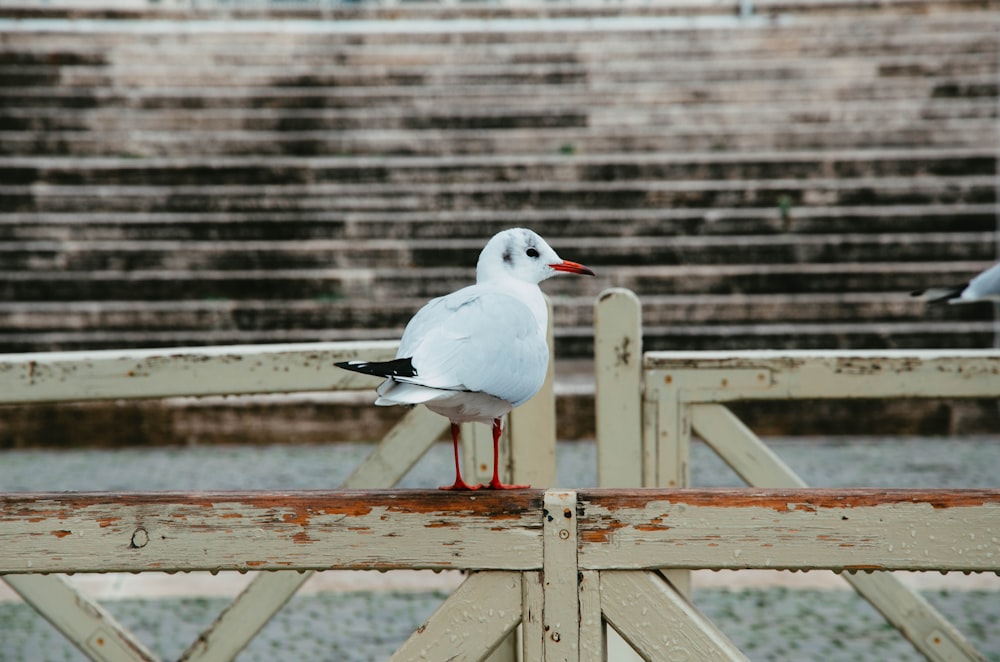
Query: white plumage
[476, 353]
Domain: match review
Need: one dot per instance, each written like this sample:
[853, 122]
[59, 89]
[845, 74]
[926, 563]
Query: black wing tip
[394, 368]
[941, 294]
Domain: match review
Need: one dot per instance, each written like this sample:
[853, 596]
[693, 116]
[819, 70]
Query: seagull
[984, 287]
[475, 354]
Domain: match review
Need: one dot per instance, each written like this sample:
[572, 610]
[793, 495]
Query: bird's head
[521, 254]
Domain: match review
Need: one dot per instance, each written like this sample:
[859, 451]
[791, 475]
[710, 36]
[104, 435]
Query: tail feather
[940, 294]
[394, 368]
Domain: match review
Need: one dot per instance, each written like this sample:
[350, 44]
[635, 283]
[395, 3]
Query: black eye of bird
[531, 252]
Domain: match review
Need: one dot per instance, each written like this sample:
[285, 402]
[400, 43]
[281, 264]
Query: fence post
[617, 397]
[618, 409]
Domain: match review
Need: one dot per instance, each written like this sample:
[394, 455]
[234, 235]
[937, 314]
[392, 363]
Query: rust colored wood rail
[802, 529]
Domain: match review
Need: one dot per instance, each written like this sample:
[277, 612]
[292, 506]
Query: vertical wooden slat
[532, 617]
[81, 620]
[471, 623]
[618, 375]
[559, 577]
[531, 431]
[477, 454]
[593, 640]
[930, 632]
[673, 438]
[626, 427]
[658, 621]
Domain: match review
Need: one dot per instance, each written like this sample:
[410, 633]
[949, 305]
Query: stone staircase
[174, 177]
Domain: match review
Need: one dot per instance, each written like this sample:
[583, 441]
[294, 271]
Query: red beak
[573, 268]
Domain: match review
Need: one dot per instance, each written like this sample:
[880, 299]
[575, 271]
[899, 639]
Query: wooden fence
[649, 405]
[558, 563]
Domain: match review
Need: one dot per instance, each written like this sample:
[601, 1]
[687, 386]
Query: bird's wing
[477, 340]
[986, 285]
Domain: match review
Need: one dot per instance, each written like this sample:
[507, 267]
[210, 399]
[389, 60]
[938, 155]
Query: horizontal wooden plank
[197, 371]
[798, 529]
[764, 375]
[352, 529]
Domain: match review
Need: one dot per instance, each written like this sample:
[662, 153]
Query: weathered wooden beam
[101, 532]
[188, 371]
[840, 374]
[856, 529]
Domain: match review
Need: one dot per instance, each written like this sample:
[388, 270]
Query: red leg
[495, 484]
[459, 484]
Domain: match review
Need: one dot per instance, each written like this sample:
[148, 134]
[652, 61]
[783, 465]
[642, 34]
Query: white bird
[984, 287]
[475, 354]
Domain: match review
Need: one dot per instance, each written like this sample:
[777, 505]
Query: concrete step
[198, 256]
[488, 168]
[676, 311]
[479, 224]
[531, 140]
[606, 111]
[788, 193]
[299, 96]
[571, 343]
[384, 284]
[153, 71]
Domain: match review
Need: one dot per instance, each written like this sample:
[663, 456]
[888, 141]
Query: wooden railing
[650, 405]
[231, 370]
[559, 564]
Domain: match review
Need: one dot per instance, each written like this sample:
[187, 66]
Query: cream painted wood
[314, 530]
[798, 529]
[618, 383]
[216, 371]
[929, 631]
[532, 617]
[556, 537]
[673, 452]
[250, 611]
[156, 373]
[477, 453]
[561, 611]
[531, 430]
[659, 622]
[471, 623]
[98, 635]
[95, 375]
[759, 375]
[801, 529]
[593, 636]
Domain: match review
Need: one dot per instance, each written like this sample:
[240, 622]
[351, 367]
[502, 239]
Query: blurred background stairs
[778, 175]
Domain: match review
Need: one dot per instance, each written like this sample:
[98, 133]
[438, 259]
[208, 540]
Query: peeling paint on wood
[859, 529]
[200, 371]
[791, 529]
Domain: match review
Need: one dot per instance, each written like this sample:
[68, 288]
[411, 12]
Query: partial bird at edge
[983, 287]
